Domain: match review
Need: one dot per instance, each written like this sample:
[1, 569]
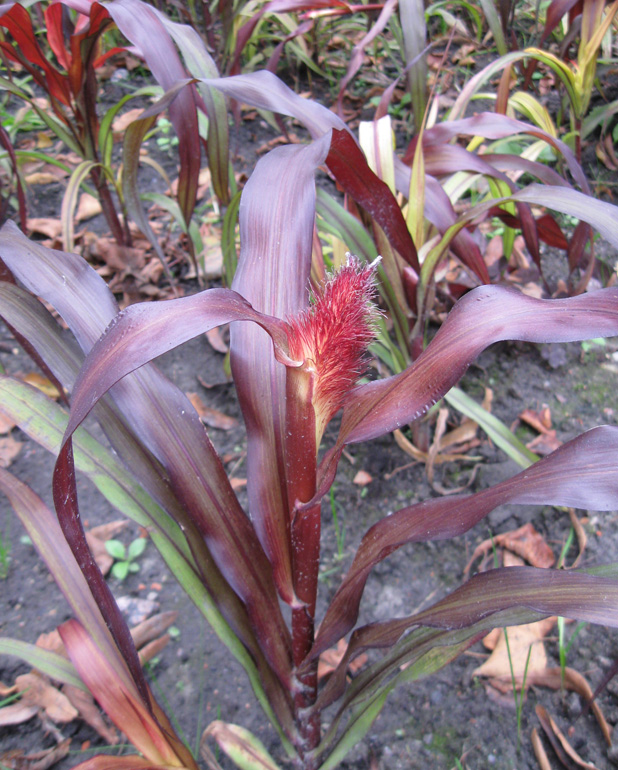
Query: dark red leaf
[349, 167]
[581, 473]
[277, 215]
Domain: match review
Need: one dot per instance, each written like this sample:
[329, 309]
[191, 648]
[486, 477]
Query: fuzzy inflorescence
[332, 335]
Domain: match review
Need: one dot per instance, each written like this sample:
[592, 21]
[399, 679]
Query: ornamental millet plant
[295, 363]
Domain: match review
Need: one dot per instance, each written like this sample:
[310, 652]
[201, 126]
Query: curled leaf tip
[332, 335]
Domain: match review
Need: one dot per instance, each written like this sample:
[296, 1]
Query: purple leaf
[277, 215]
[176, 437]
[137, 335]
[349, 166]
[485, 315]
[495, 126]
[140, 24]
[581, 474]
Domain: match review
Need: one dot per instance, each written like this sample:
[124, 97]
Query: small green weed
[125, 557]
[5, 549]
[339, 529]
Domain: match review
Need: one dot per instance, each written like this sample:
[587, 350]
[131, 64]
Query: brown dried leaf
[153, 648]
[237, 483]
[123, 121]
[539, 750]
[529, 544]
[90, 713]
[211, 417]
[362, 478]
[52, 228]
[6, 691]
[540, 421]
[42, 383]
[521, 640]
[118, 258]
[525, 542]
[41, 177]
[330, 659]
[151, 628]
[582, 538]
[16, 714]
[547, 441]
[41, 760]
[88, 207]
[561, 746]
[51, 642]
[216, 340]
[40, 693]
[573, 680]
[9, 449]
[545, 444]
[6, 424]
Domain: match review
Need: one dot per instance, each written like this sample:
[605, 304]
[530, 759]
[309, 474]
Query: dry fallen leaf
[41, 760]
[539, 750]
[16, 713]
[209, 416]
[96, 538]
[51, 642]
[6, 424]
[123, 121]
[547, 441]
[525, 542]
[42, 383]
[39, 692]
[330, 659]
[9, 449]
[88, 207]
[522, 639]
[90, 713]
[52, 228]
[216, 340]
[573, 680]
[362, 478]
[566, 753]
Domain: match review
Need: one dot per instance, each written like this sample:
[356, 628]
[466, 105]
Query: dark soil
[431, 724]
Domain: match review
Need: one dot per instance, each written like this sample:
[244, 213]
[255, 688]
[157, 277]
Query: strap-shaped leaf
[582, 474]
[175, 435]
[150, 733]
[137, 335]
[46, 535]
[201, 64]
[485, 315]
[140, 24]
[345, 159]
[51, 663]
[494, 126]
[505, 596]
[277, 215]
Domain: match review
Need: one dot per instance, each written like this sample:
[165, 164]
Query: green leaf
[115, 549]
[495, 428]
[136, 548]
[55, 666]
[241, 746]
[120, 570]
[360, 721]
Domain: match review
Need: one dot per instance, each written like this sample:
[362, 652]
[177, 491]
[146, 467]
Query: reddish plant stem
[109, 210]
[301, 459]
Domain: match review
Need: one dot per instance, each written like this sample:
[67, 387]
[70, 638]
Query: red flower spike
[332, 335]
